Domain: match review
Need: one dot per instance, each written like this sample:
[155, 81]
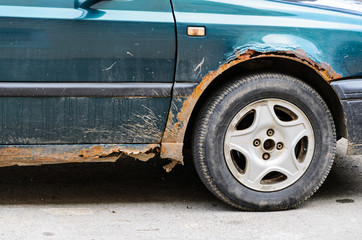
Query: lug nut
[256, 142]
[270, 132]
[266, 156]
[279, 146]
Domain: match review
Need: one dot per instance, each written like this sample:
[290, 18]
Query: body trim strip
[183, 89]
[85, 89]
[12, 89]
[348, 89]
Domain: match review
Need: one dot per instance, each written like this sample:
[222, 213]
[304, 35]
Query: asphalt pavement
[136, 200]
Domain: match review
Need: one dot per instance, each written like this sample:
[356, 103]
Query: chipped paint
[299, 55]
[172, 142]
[51, 154]
[109, 68]
[198, 68]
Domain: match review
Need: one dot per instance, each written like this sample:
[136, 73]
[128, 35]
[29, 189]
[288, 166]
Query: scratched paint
[82, 120]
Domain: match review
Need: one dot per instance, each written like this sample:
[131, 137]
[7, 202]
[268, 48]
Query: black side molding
[85, 89]
[348, 89]
[21, 89]
[183, 89]
[350, 94]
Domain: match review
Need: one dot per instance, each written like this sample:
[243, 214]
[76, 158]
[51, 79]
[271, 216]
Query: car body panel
[77, 120]
[350, 93]
[237, 31]
[66, 44]
[98, 81]
[107, 42]
[348, 6]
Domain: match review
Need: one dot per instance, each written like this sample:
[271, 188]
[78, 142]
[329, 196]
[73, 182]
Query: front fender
[327, 41]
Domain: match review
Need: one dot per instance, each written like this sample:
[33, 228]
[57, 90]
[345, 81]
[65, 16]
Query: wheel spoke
[265, 116]
[288, 165]
[294, 131]
[241, 140]
[255, 171]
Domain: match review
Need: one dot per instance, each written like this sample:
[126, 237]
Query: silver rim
[269, 145]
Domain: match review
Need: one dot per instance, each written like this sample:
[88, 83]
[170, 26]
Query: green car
[258, 90]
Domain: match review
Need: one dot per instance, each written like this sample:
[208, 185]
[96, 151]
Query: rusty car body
[93, 80]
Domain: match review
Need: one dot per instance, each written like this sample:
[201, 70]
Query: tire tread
[201, 130]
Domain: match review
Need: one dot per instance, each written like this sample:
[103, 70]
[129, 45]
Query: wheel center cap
[269, 145]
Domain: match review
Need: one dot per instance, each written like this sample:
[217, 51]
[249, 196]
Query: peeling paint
[144, 157]
[323, 69]
[51, 154]
[172, 142]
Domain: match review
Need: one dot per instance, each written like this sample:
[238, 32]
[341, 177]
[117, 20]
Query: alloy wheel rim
[269, 144]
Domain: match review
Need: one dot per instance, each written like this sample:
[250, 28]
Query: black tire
[215, 118]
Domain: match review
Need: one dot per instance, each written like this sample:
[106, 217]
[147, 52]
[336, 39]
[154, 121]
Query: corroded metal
[173, 138]
[51, 154]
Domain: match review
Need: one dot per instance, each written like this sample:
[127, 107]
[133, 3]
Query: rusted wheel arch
[175, 140]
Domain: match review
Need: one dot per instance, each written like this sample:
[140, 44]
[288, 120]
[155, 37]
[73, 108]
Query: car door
[85, 71]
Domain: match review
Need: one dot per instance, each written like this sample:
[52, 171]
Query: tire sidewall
[237, 95]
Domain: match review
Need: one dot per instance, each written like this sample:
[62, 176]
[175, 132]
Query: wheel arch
[179, 127]
[284, 65]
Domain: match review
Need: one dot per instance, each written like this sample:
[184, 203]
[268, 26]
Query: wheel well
[273, 64]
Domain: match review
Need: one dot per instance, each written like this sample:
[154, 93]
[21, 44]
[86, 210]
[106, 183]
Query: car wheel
[264, 142]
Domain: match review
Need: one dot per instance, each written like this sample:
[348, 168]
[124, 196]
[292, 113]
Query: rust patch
[168, 168]
[172, 151]
[323, 69]
[47, 154]
[172, 142]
